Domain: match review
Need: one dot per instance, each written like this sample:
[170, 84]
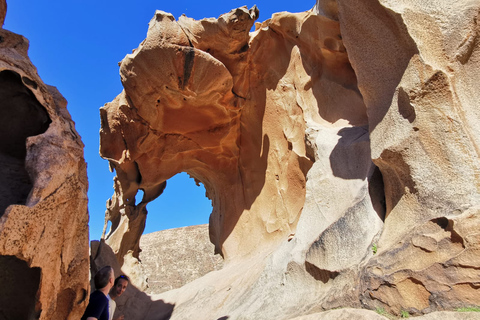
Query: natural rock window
[183, 203]
[183, 252]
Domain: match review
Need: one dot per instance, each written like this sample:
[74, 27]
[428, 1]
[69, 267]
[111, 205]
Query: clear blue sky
[76, 46]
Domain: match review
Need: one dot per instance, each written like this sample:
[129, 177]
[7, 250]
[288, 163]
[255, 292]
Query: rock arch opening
[175, 246]
[20, 283]
[21, 116]
[183, 203]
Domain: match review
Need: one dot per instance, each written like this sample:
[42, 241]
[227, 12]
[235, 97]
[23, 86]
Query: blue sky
[76, 46]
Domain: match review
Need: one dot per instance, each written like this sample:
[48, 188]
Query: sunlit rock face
[43, 194]
[172, 258]
[417, 68]
[339, 147]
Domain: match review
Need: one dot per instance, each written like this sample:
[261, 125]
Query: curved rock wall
[418, 86]
[339, 147]
[43, 203]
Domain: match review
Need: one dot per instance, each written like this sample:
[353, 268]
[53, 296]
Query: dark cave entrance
[18, 296]
[21, 116]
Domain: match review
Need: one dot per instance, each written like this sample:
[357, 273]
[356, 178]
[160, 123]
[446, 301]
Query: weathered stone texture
[43, 194]
[172, 258]
[357, 314]
[339, 147]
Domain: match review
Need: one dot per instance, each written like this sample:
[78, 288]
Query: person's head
[119, 286]
[104, 278]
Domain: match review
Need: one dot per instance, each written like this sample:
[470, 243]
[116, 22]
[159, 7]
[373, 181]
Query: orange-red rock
[44, 257]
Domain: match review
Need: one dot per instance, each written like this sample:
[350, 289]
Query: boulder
[174, 257]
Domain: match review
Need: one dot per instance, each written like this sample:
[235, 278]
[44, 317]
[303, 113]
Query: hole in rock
[376, 190]
[320, 274]
[21, 116]
[174, 257]
[109, 227]
[139, 197]
[18, 295]
[181, 204]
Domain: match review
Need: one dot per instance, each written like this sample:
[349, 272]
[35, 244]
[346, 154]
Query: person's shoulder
[98, 295]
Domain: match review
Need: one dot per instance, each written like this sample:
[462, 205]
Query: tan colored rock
[172, 258]
[133, 303]
[439, 271]
[359, 314]
[337, 180]
[43, 194]
[343, 314]
[449, 315]
[425, 143]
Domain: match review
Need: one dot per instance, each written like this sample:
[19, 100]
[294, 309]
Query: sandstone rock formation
[339, 147]
[43, 194]
[172, 258]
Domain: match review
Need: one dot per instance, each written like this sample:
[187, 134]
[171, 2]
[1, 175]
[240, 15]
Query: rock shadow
[351, 159]
[133, 303]
[21, 116]
[379, 68]
[20, 283]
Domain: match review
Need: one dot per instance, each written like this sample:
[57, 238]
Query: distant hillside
[174, 257]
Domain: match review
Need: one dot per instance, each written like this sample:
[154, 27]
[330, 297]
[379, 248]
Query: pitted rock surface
[44, 258]
[339, 147]
[174, 257]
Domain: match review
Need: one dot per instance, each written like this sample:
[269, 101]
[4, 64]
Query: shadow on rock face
[21, 116]
[350, 159]
[19, 288]
[133, 303]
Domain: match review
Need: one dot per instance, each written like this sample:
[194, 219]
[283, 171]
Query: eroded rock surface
[172, 258]
[43, 194]
[339, 146]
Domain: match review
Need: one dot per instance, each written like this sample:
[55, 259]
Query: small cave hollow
[21, 116]
[376, 189]
[20, 283]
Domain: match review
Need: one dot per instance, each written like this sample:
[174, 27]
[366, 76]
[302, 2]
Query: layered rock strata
[339, 147]
[43, 194]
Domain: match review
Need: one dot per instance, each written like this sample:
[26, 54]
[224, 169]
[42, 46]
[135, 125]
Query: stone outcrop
[339, 147]
[172, 258]
[44, 258]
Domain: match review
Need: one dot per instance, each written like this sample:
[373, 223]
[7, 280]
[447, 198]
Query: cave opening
[183, 203]
[21, 116]
[20, 283]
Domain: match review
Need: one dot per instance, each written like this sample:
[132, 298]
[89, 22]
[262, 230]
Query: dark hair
[103, 277]
[121, 277]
